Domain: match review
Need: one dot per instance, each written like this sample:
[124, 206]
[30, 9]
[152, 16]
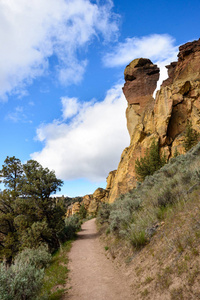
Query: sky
[61, 78]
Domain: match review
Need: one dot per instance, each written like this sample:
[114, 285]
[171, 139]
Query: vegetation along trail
[92, 275]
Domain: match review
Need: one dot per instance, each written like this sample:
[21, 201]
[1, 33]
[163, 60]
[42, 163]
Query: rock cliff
[164, 118]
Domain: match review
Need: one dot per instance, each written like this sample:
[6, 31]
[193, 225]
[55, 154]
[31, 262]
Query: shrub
[103, 213]
[40, 257]
[122, 213]
[23, 280]
[165, 198]
[72, 225]
[20, 281]
[137, 237]
[151, 162]
[119, 220]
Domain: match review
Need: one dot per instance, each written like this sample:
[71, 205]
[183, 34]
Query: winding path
[92, 275]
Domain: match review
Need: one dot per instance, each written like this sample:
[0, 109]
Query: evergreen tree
[151, 162]
[9, 244]
[11, 172]
[191, 137]
[29, 216]
[82, 212]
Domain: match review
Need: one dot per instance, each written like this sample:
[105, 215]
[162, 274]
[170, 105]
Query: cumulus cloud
[32, 32]
[159, 48]
[70, 107]
[88, 144]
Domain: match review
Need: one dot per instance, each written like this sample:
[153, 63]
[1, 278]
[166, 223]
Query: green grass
[148, 280]
[56, 274]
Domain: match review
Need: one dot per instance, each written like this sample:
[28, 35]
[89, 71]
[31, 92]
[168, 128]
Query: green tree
[191, 137]
[151, 162]
[39, 182]
[9, 245]
[29, 216]
[82, 212]
[46, 220]
[11, 172]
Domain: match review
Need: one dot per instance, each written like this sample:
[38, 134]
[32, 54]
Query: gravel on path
[92, 275]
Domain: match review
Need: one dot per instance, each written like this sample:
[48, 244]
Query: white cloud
[90, 144]
[70, 107]
[32, 32]
[18, 115]
[155, 47]
[159, 48]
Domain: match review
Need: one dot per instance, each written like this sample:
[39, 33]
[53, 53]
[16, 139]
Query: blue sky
[61, 74]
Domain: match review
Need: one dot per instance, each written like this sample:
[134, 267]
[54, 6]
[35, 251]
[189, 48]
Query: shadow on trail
[86, 236]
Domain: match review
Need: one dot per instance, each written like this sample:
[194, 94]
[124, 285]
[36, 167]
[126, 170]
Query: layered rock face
[164, 118]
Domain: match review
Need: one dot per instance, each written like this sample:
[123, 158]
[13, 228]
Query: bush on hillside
[103, 213]
[123, 212]
[138, 237]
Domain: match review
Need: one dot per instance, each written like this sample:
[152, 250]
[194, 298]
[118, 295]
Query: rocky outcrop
[164, 118]
[99, 196]
[110, 180]
[141, 78]
[91, 203]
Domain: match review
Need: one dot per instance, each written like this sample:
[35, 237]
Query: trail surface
[92, 275]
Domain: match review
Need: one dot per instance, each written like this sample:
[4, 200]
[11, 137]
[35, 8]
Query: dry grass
[166, 264]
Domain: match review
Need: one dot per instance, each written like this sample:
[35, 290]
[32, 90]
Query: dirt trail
[93, 276]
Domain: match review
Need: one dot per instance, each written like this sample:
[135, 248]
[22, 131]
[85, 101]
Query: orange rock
[163, 119]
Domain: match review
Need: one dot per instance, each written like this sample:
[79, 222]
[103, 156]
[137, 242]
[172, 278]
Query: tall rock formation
[164, 118]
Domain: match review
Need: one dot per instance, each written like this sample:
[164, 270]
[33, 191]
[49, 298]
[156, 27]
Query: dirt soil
[92, 275]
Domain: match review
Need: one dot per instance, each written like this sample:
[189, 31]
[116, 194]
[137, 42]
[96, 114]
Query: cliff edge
[163, 118]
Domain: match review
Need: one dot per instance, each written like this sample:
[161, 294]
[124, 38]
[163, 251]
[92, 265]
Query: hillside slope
[154, 231]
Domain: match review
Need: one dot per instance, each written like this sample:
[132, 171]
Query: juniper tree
[151, 162]
[191, 137]
[11, 172]
[29, 216]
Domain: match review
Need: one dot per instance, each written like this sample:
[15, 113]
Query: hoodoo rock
[141, 77]
[164, 118]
